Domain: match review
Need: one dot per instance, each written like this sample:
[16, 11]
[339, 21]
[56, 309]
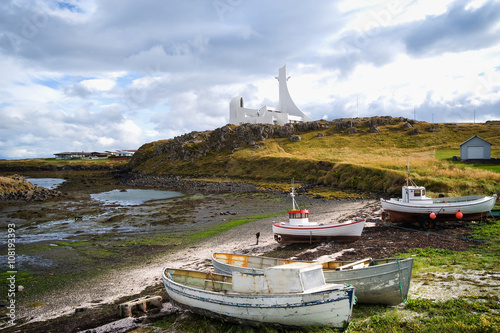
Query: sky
[96, 75]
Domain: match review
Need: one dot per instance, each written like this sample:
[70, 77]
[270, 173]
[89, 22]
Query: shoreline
[107, 289]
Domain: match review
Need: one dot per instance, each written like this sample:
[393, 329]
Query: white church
[286, 111]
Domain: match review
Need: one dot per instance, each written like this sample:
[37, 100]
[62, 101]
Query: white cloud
[98, 84]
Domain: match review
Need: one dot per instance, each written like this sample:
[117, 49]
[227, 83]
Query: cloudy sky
[95, 75]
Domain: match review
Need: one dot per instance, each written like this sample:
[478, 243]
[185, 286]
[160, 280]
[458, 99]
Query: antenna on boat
[408, 172]
[408, 179]
[292, 194]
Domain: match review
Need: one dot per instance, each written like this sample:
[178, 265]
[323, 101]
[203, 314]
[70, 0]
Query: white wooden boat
[377, 281]
[291, 295]
[299, 229]
[415, 206]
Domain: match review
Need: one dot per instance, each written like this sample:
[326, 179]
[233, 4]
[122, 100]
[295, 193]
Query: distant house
[94, 155]
[72, 155]
[475, 148]
[125, 153]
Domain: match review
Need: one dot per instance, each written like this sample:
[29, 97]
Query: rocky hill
[364, 154]
[195, 145]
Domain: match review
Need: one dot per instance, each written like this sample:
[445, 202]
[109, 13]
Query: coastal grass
[51, 163]
[424, 315]
[228, 225]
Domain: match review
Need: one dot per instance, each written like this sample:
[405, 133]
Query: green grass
[423, 315]
[488, 167]
[229, 225]
[447, 154]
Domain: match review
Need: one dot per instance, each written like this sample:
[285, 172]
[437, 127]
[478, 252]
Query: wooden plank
[140, 303]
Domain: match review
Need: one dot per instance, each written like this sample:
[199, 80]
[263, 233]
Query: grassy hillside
[336, 155]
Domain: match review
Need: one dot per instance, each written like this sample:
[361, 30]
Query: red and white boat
[298, 229]
[415, 206]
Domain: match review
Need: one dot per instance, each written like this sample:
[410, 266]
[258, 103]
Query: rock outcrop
[185, 185]
[16, 188]
[196, 145]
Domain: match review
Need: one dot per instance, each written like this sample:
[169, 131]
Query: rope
[211, 276]
[435, 233]
[354, 298]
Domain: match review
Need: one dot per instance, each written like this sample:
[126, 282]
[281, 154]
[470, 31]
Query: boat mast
[408, 173]
[292, 194]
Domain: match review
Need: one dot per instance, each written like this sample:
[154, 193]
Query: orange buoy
[459, 215]
[432, 215]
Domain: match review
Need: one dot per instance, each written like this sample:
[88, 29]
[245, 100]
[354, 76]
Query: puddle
[133, 197]
[50, 183]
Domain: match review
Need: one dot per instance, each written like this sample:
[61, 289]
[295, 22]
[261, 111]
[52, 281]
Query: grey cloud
[77, 90]
[457, 30]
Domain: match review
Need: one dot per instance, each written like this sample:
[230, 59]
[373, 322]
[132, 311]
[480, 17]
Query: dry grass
[13, 184]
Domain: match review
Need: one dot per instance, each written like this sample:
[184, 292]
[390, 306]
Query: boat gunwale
[262, 304]
[285, 225]
[400, 203]
[390, 261]
[234, 294]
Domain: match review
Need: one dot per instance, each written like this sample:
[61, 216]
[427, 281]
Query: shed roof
[475, 136]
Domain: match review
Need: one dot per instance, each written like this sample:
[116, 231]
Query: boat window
[312, 279]
[298, 215]
[417, 193]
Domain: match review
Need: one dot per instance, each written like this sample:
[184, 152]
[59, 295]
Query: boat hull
[345, 232]
[330, 308]
[387, 281]
[477, 208]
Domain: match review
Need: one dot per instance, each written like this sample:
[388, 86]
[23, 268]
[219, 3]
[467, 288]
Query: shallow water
[73, 226]
[133, 197]
[68, 229]
[50, 183]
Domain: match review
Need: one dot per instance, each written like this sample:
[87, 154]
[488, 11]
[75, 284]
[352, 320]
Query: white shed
[475, 148]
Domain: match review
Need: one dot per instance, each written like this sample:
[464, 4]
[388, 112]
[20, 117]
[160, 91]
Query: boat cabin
[295, 277]
[415, 194]
[297, 217]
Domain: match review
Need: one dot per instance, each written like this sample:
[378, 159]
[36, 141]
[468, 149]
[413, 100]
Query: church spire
[286, 104]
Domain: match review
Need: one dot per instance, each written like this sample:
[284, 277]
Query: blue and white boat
[290, 295]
